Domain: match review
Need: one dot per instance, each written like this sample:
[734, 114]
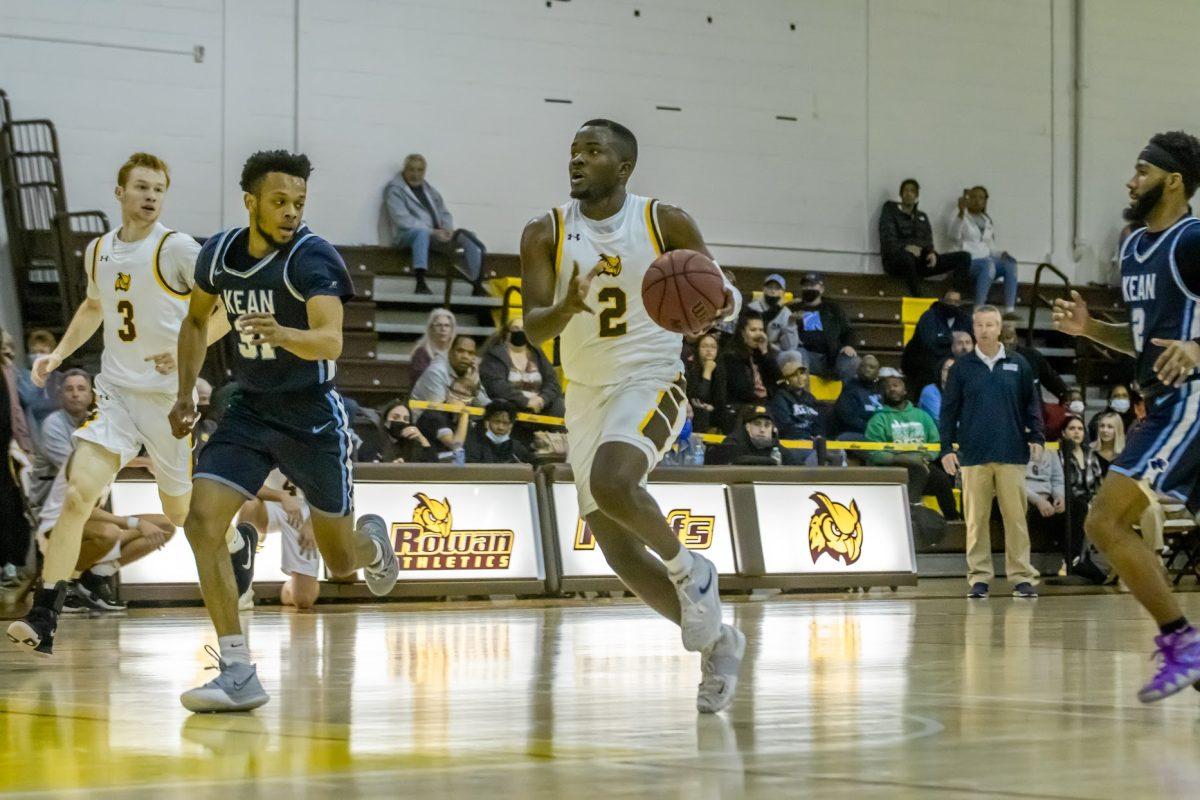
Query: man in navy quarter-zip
[992, 408]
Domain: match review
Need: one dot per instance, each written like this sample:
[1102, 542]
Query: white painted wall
[953, 92]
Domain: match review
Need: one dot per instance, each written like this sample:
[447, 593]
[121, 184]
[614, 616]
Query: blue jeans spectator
[420, 241]
[984, 272]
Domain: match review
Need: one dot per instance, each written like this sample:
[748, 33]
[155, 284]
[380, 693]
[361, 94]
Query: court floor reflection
[876, 696]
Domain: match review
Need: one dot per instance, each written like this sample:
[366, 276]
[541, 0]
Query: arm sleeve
[1033, 409]
[178, 261]
[445, 218]
[200, 275]
[845, 332]
[431, 387]
[1058, 485]
[951, 408]
[877, 429]
[1187, 259]
[932, 434]
[318, 270]
[397, 208]
[926, 242]
[493, 378]
[955, 229]
[889, 236]
[56, 440]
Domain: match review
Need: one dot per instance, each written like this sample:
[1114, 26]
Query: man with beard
[754, 441]
[899, 421]
[1160, 283]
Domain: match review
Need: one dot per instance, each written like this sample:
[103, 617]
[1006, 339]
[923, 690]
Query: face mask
[518, 339]
[396, 427]
[810, 295]
[1075, 406]
[497, 438]
[772, 302]
[1120, 405]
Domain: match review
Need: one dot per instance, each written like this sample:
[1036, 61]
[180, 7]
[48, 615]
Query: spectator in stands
[972, 230]
[1120, 402]
[793, 407]
[421, 222]
[406, 443]
[991, 408]
[38, 402]
[961, 344]
[747, 371]
[14, 525]
[781, 332]
[754, 441]
[899, 421]
[1082, 474]
[933, 338]
[490, 441]
[1110, 438]
[515, 371]
[821, 328]
[440, 330]
[19, 425]
[453, 378]
[1046, 494]
[906, 242]
[1055, 414]
[699, 375]
[931, 396]
[859, 399]
[1047, 376]
[56, 444]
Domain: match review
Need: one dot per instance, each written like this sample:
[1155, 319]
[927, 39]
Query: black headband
[1159, 157]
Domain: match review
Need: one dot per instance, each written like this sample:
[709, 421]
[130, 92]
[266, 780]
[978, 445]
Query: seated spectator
[1054, 415]
[421, 221]
[793, 407]
[933, 338]
[1110, 439]
[440, 330]
[56, 445]
[1047, 376]
[775, 315]
[972, 230]
[906, 242]
[1046, 493]
[453, 378]
[819, 326]
[699, 373]
[858, 401]
[747, 371]
[961, 343]
[1120, 402]
[38, 402]
[899, 421]
[1081, 477]
[490, 440]
[14, 530]
[21, 433]
[931, 396]
[405, 443]
[515, 371]
[754, 441]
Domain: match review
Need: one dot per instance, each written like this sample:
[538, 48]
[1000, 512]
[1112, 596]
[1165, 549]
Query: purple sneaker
[1178, 655]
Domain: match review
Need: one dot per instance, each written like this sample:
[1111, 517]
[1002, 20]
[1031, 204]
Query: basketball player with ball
[620, 278]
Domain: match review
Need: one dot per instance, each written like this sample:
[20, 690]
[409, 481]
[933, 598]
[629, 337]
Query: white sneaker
[246, 601]
[699, 605]
[719, 671]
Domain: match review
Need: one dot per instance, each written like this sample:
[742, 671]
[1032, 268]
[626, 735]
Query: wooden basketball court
[908, 695]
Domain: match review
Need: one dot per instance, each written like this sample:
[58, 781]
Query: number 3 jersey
[143, 289]
[279, 284]
[619, 340]
[1160, 284]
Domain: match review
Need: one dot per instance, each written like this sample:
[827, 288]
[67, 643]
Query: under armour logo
[575, 237]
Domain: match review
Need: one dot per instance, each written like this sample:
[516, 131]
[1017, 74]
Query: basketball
[683, 290]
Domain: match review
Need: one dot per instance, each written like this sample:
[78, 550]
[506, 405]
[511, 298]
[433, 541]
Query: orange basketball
[683, 290]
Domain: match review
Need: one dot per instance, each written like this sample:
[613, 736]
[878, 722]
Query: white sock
[234, 649]
[234, 540]
[681, 564]
[378, 553]
[105, 568]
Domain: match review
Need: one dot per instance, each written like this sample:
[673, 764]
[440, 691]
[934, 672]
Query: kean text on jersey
[1138, 287]
[249, 301]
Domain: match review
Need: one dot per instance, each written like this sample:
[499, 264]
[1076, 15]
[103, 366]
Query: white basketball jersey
[143, 289]
[620, 340]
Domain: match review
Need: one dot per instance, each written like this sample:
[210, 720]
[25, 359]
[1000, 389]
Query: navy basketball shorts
[305, 435]
[1164, 448]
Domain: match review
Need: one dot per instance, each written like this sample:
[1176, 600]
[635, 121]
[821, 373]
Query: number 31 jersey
[143, 289]
[279, 284]
[619, 340]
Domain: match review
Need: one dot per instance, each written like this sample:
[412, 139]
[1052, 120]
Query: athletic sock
[105, 569]
[234, 540]
[1174, 626]
[681, 564]
[234, 649]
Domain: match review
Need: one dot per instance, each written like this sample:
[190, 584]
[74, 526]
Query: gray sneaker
[699, 605]
[236, 688]
[380, 578]
[719, 667]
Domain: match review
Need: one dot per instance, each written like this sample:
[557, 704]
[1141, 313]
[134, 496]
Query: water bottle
[777, 455]
[698, 453]
[460, 456]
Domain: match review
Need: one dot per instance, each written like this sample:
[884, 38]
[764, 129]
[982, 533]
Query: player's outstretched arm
[1072, 317]
[85, 322]
[193, 345]
[545, 319]
[680, 232]
[321, 342]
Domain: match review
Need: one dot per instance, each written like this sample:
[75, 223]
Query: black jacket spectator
[798, 414]
[906, 242]
[401, 440]
[700, 387]
[860, 398]
[1041, 367]
[747, 371]
[744, 447]
[490, 441]
[931, 340]
[898, 229]
[993, 414]
[502, 382]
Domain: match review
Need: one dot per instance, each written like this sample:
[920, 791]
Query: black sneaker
[103, 589]
[78, 600]
[979, 591]
[35, 630]
[243, 559]
[478, 290]
[422, 286]
[1024, 589]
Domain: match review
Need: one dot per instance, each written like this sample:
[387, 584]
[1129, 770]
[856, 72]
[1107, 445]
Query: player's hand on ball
[576, 298]
[263, 329]
[1175, 363]
[164, 363]
[183, 417]
[1070, 316]
[43, 367]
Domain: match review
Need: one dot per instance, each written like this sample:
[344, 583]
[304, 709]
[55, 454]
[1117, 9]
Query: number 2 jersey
[619, 340]
[279, 284]
[1160, 284]
[143, 289]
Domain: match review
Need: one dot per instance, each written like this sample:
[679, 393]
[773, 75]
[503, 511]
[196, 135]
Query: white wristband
[131, 523]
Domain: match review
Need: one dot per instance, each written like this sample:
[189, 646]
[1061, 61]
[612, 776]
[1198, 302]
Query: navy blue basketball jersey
[1160, 283]
[279, 285]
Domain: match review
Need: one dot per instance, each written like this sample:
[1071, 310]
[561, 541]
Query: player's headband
[1153, 154]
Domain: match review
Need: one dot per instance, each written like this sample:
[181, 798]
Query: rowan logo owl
[430, 541]
[611, 265]
[835, 529]
[122, 282]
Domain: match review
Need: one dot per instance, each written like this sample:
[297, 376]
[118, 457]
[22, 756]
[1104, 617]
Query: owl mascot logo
[835, 529]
